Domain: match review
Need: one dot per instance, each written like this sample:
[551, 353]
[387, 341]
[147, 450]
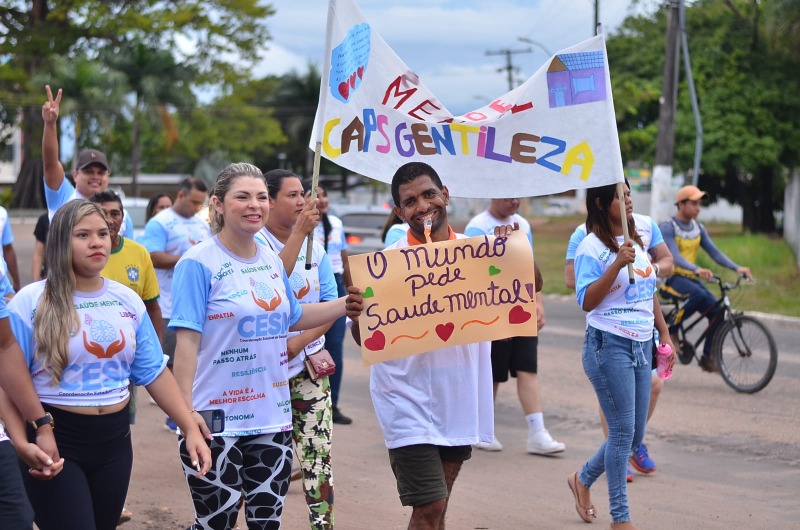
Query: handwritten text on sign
[427, 297]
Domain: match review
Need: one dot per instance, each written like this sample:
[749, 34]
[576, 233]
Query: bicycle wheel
[746, 353]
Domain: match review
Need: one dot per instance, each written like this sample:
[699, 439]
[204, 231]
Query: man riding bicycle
[684, 237]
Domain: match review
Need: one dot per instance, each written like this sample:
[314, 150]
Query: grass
[776, 288]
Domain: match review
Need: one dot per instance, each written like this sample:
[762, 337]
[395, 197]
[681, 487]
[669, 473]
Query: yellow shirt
[130, 265]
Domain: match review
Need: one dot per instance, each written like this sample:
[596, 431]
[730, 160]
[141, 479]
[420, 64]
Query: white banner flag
[555, 132]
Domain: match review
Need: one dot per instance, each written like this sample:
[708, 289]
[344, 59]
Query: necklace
[252, 253]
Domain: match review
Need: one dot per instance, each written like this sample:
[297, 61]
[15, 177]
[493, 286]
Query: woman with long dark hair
[617, 348]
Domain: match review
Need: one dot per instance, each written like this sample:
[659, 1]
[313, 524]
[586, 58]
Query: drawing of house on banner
[576, 78]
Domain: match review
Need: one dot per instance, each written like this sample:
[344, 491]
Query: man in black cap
[90, 173]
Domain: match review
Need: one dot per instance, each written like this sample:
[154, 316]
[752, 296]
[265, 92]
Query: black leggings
[90, 491]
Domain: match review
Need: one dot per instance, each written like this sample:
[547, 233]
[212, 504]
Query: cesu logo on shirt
[267, 324]
[102, 331]
[264, 325]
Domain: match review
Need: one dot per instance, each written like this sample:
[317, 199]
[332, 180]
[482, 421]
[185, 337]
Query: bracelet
[655, 266]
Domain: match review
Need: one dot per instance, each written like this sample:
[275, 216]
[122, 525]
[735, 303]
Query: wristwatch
[47, 419]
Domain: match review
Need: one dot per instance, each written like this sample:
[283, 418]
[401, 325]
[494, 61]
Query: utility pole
[509, 67]
[596, 16]
[661, 201]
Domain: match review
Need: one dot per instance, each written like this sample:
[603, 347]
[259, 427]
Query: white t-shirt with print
[243, 308]
[627, 309]
[115, 343]
[484, 224]
[309, 286]
[442, 397]
[170, 232]
[336, 242]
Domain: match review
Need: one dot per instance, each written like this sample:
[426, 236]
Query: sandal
[585, 512]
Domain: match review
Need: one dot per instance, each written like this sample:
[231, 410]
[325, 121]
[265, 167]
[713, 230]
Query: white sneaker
[542, 443]
[494, 445]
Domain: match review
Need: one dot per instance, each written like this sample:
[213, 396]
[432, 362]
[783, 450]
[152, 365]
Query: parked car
[136, 207]
[362, 226]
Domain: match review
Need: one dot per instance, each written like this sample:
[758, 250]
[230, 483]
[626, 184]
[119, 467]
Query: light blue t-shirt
[114, 345]
[55, 199]
[627, 309]
[243, 309]
[395, 233]
[316, 284]
[170, 232]
[645, 226]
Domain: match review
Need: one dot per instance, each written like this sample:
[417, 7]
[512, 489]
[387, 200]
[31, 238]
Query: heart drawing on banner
[376, 342]
[518, 315]
[493, 270]
[344, 90]
[368, 293]
[445, 330]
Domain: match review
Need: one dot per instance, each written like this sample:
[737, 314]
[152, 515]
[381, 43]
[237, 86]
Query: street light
[536, 43]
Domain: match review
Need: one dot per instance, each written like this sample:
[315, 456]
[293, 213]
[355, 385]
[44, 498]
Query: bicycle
[743, 347]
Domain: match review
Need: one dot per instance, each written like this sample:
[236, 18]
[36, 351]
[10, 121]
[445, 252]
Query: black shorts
[419, 473]
[517, 354]
[169, 341]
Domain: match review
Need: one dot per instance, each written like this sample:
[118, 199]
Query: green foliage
[748, 95]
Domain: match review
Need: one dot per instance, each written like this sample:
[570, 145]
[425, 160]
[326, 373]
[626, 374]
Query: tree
[748, 96]
[224, 39]
[156, 81]
[295, 100]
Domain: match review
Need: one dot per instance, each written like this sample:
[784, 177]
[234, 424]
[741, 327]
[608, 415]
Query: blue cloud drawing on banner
[349, 62]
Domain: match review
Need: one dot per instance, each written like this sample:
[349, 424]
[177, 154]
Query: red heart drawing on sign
[344, 90]
[376, 342]
[353, 80]
[360, 72]
[445, 330]
[517, 315]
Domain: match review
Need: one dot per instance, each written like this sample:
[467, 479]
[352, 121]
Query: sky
[445, 41]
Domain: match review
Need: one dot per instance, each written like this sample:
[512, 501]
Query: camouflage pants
[312, 417]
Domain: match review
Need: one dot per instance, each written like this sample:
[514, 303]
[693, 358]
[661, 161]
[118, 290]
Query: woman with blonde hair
[234, 307]
[84, 337]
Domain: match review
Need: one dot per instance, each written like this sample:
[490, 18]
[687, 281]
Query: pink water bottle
[663, 369]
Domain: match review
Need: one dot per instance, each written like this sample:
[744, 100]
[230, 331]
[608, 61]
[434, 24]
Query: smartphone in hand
[214, 418]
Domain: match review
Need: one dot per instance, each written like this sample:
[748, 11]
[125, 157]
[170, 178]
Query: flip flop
[585, 513]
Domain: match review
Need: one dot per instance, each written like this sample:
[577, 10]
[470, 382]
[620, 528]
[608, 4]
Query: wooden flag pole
[624, 221]
[314, 184]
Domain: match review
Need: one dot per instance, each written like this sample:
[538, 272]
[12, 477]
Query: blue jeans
[619, 370]
[699, 299]
[334, 343]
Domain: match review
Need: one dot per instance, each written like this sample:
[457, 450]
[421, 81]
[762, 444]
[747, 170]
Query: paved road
[725, 460]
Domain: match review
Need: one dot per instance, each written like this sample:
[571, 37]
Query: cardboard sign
[426, 297]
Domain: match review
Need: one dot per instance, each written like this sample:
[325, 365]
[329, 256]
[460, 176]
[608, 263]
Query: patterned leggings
[312, 418]
[256, 466]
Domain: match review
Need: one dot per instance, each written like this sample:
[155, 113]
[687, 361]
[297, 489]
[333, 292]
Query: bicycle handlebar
[725, 286]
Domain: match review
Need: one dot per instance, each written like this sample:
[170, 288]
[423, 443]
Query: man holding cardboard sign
[433, 406]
